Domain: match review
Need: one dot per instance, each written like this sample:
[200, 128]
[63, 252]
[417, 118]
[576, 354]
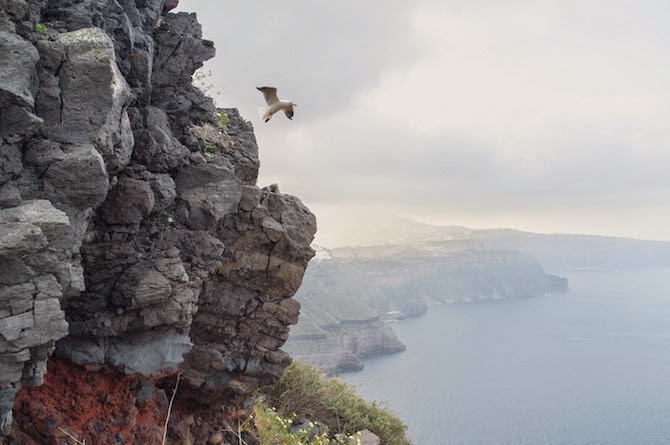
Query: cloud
[549, 115]
[320, 54]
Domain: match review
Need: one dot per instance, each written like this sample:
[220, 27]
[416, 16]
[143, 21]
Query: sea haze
[590, 366]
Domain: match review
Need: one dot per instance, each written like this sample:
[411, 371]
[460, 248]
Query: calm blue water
[591, 366]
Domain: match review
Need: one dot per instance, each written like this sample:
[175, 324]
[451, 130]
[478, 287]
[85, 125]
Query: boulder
[94, 97]
[365, 437]
[79, 179]
[18, 84]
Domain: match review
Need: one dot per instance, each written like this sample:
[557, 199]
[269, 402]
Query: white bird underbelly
[266, 112]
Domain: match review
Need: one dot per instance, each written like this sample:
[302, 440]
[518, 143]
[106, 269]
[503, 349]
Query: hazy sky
[540, 115]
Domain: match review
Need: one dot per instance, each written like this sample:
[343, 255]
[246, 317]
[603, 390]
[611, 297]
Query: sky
[545, 115]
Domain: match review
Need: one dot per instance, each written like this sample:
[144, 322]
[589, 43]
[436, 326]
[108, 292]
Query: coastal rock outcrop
[349, 293]
[132, 232]
[336, 330]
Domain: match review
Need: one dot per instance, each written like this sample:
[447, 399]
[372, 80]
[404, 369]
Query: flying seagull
[274, 104]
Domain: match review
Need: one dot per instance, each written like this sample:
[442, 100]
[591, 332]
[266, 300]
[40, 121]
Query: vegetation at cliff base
[303, 391]
[270, 427]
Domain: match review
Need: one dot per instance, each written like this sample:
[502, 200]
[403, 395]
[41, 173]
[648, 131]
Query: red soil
[108, 407]
[101, 407]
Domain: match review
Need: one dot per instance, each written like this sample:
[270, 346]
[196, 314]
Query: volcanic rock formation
[132, 232]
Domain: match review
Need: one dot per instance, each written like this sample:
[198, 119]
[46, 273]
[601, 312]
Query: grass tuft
[305, 391]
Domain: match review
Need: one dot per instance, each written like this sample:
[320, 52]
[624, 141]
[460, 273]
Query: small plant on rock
[272, 428]
[223, 120]
[210, 149]
[41, 28]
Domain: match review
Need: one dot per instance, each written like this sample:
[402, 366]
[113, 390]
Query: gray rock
[79, 179]
[156, 147]
[16, 9]
[18, 76]
[165, 191]
[248, 298]
[180, 50]
[209, 192]
[244, 155]
[6, 403]
[49, 325]
[128, 202]
[145, 391]
[10, 162]
[10, 196]
[6, 23]
[11, 327]
[94, 95]
[31, 315]
[18, 83]
[17, 120]
[53, 222]
[71, 278]
[196, 176]
[48, 101]
[141, 286]
[41, 153]
[251, 197]
[11, 366]
[52, 54]
[14, 298]
[47, 287]
[146, 353]
[365, 437]
[20, 238]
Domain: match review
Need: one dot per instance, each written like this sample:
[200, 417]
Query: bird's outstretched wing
[289, 112]
[270, 94]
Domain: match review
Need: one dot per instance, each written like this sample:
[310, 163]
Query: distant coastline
[350, 295]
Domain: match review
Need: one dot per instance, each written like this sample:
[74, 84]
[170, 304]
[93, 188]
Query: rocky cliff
[133, 238]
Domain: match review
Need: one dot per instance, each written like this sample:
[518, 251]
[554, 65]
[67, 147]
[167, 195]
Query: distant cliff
[555, 252]
[133, 236]
[400, 267]
[335, 331]
[349, 292]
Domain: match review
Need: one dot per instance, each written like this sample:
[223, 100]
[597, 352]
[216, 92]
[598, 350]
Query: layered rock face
[343, 346]
[132, 232]
[401, 280]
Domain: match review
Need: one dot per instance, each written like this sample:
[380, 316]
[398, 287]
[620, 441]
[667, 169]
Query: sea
[587, 366]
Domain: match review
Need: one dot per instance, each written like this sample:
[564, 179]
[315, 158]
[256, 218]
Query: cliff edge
[134, 241]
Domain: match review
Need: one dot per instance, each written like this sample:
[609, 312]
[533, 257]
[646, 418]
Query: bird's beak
[295, 105]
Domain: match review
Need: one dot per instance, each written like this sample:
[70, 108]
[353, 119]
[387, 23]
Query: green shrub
[41, 28]
[271, 428]
[305, 391]
[210, 149]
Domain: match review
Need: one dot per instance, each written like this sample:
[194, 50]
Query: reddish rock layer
[107, 406]
[103, 406]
